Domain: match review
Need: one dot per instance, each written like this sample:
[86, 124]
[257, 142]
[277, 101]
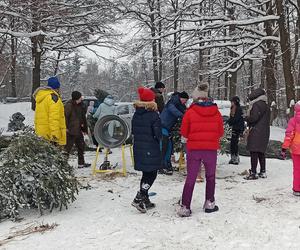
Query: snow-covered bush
[16, 122]
[34, 174]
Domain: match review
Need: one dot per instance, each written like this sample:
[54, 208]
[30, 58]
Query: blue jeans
[166, 148]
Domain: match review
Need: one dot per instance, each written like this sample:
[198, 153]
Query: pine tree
[34, 174]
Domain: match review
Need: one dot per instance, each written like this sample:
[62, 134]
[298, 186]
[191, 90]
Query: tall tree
[62, 26]
[286, 51]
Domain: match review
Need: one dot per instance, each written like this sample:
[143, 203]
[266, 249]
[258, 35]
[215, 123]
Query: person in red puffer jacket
[202, 125]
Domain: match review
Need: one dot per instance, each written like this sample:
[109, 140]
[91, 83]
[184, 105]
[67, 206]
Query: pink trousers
[296, 172]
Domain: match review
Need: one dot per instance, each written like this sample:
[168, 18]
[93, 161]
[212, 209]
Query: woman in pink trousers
[292, 142]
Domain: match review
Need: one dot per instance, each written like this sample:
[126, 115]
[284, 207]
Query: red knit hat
[146, 95]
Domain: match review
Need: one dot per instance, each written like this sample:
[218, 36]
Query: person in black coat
[147, 133]
[258, 119]
[236, 121]
[76, 124]
[159, 98]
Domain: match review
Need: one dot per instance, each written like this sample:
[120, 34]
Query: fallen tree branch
[27, 231]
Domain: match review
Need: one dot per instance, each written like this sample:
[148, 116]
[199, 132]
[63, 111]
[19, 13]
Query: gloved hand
[283, 154]
[54, 143]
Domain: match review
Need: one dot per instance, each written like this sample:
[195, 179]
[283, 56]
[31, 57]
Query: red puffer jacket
[202, 125]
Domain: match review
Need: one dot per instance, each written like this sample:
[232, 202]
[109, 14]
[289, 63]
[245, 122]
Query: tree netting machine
[113, 131]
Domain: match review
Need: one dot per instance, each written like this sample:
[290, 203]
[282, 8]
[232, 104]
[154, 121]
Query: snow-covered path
[102, 217]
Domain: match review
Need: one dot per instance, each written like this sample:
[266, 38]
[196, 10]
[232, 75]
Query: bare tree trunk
[271, 84]
[13, 44]
[175, 53]
[219, 89]
[4, 40]
[175, 64]
[200, 75]
[225, 56]
[36, 71]
[262, 73]
[286, 52]
[250, 79]
[57, 63]
[154, 42]
[160, 50]
[233, 75]
[36, 50]
[297, 37]
[226, 92]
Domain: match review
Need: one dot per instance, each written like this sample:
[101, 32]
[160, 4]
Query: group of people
[63, 125]
[202, 128]
[152, 123]
[257, 132]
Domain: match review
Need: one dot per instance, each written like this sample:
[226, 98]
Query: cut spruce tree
[34, 174]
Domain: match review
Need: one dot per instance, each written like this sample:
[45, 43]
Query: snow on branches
[34, 174]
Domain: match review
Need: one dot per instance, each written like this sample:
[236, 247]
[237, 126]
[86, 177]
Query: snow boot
[231, 160]
[148, 203]
[235, 160]
[166, 171]
[105, 165]
[85, 165]
[262, 175]
[183, 211]
[139, 203]
[169, 171]
[251, 176]
[296, 193]
[210, 207]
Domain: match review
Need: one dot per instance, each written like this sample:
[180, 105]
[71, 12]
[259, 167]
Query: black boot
[148, 203]
[210, 207]
[251, 176]
[235, 160]
[139, 202]
[231, 159]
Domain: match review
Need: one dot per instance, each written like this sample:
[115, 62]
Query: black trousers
[147, 181]
[234, 142]
[255, 157]
[78, 140]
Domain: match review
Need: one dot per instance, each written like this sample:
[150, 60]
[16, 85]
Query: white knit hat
[200, 92]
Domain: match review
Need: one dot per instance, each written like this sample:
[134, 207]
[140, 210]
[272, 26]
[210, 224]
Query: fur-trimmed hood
[149, 106]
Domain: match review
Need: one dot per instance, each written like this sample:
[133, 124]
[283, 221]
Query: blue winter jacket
[173, 110]
[147, 133]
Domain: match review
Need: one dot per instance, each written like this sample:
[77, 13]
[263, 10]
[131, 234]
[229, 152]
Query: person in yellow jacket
[49, 119]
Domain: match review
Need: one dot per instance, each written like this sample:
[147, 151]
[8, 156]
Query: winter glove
[54, 143]
[283, 154]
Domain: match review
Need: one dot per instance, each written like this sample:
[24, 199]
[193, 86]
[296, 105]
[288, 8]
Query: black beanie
[159, 85]
[76, 95]
[235, 100]
[184, 95]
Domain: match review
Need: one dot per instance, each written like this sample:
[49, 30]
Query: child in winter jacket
[236, 121]
[202, 125]
[292, 142]
[170, 115]
[147, 133]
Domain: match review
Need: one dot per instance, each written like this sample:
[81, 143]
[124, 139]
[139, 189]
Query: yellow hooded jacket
[49, 119]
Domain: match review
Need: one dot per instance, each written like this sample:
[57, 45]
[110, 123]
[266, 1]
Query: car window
[123, 110]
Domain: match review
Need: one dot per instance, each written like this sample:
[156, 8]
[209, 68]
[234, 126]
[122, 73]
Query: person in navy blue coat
[147, 133]
[172, 111]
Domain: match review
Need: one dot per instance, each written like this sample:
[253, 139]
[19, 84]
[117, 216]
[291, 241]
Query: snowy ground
[260, 214]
